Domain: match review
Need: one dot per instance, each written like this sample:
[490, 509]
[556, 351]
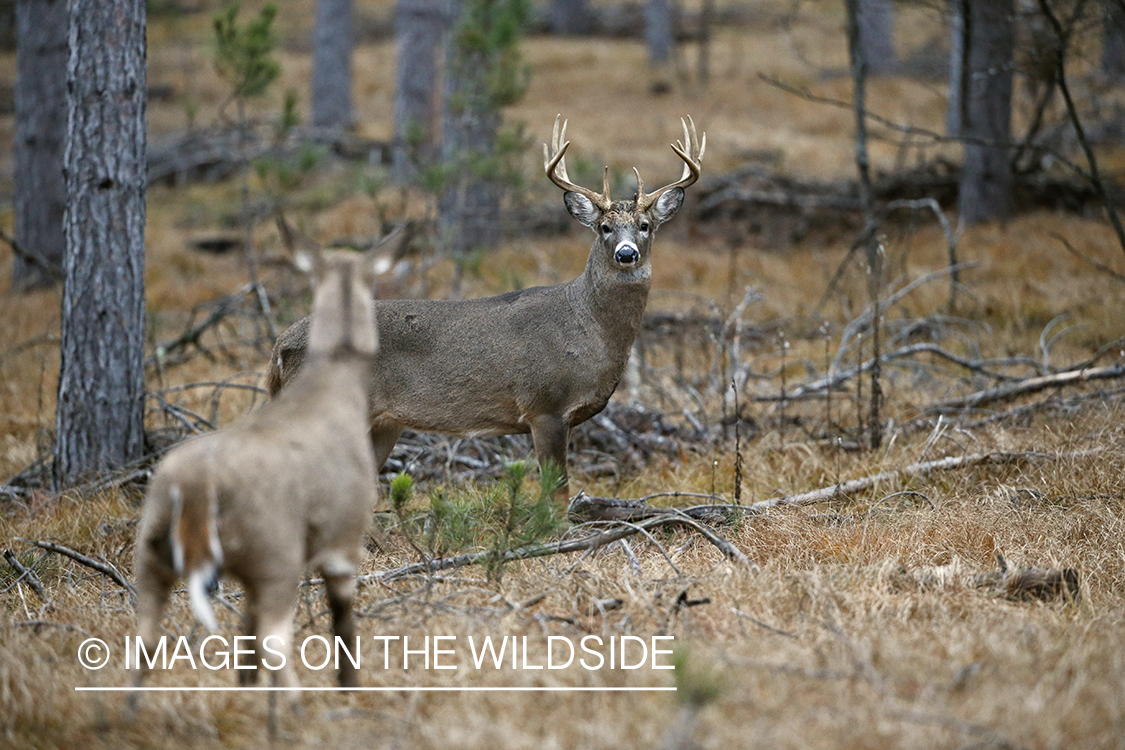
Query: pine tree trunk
[570, 17]
[659, 38]
[876, 34]
[332, 65]
[40, 188]
[1113, 41]
[958, 62]
[986, 172]
[469, 211]
[100, 420]
[419, 28]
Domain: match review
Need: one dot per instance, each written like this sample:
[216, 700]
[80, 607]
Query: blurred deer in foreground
[538, 360]
[290, 485]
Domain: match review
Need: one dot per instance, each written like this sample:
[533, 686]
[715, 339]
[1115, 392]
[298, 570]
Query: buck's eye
[607, 230]
[644, 226]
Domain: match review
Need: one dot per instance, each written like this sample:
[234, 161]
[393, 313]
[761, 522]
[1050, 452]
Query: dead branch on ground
[587, 508]
[1029, 385]
[104, 568]
[1018, 584]
[586, 543]
[27, 574]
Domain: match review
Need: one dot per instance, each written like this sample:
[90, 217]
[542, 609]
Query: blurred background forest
[812, 251]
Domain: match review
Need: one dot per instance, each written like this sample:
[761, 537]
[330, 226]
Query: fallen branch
[53, 272]
[586, 543]
[1023, 387]
[29, 575]
[1019, 584]
[220, 309]
[832, 381]
[104, 568]
[912, 471]
[588, 508]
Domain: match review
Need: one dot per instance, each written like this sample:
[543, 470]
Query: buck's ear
[582, 208]
[667, 205]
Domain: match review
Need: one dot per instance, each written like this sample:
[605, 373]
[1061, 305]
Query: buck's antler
[555, 164]
[691, 151]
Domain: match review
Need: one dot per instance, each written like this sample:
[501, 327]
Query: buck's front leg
[550, 435]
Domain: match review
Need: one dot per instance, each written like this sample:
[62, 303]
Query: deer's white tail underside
[202, 571]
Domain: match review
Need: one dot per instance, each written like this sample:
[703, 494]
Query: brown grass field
[856, 629]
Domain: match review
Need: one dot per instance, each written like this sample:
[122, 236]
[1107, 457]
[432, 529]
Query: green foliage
[290, 117]
[284, 174]
[492, 76]
[244, 54]
[501, 518]
[487, 38]
[402, 489]
[696, 685]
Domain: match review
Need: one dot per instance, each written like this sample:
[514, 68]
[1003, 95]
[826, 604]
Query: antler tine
[555, 164]
[691, 151]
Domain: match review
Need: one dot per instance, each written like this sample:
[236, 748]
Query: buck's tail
[196, 551]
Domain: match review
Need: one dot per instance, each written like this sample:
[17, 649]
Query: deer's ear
[667, 205]
[582, 208]
[379, 260]
[307, 260]
[389, 251]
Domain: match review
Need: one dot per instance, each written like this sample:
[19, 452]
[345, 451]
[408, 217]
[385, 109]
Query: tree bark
[958, 63]
[332, 65]
[876, 35]
[570, 17]
[986, 173]
[100, 419]
[40, 97]
[469, 209]
[419, 28]
[1113, 41]
[659, 38]
[857, 54]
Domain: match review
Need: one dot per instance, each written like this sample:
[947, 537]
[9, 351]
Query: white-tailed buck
[289, 486]
[538, 360]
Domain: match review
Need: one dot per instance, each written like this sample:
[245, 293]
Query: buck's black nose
[626, 255]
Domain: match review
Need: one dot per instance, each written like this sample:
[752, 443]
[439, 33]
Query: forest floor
[862, 620]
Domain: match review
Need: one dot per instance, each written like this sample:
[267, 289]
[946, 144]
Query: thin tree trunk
[986, 173]
[570, 17]
[419, 28]
[470, 206]
[958, 63]
[100, 420]
[1113, 41]
[859, 65]
[40, 97]
[332, 65]
[659, 38]
[876, 35]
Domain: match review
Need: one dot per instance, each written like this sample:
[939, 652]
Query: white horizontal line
[402, 689]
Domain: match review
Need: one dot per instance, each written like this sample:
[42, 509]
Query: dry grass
[826, 645]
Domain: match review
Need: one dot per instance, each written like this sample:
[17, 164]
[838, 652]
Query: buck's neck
[616, 300]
